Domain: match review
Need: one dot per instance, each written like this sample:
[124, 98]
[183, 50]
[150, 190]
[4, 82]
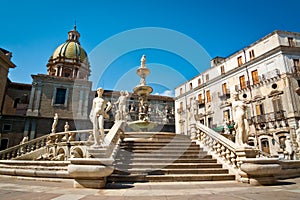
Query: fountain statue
[142, 90]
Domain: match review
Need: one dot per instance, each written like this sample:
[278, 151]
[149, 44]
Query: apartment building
[266, 76]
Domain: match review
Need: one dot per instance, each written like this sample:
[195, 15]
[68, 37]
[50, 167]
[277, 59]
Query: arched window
[191, 85]
[265, 145]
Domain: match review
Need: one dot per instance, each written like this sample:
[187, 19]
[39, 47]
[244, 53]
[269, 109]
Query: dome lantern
[73, 35]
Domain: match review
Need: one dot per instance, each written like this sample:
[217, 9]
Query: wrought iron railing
[269, 117]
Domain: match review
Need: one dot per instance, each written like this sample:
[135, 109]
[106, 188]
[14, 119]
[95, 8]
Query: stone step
[169, 166]
[160, 143]
[207, 159]
[161, 151]
[161, 147]
[158, 171]
[156, 144]
[153, 135]
[170, 177]
[162, 155]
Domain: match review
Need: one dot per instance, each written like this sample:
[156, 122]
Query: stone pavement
[14, 188]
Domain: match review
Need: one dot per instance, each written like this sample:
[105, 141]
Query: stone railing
[244, 162]
[92, 172]
[22, 149]
[69, 138]
[113, 138]
[219, 145]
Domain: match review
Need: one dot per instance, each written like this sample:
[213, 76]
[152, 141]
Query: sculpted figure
[98, 113]
[298, 134]
[289, 148]
[143, 61]
[25, 139]
[122, 105]
[195, 108]
[240, 122]
[55, 120]
[66, 127]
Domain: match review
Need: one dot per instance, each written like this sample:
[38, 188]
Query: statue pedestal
[256, 171]
[260, 171]
[90, 172]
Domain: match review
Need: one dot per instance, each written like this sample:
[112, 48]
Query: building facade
[5, 65]
[266, 76]
[65, 90]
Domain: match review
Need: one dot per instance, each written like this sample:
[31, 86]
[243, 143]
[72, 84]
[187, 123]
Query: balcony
[270, 75]
[242, 86]
[224, 95]
[273, 117]
[201, 103]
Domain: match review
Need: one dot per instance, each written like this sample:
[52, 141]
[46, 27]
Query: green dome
[70, 50]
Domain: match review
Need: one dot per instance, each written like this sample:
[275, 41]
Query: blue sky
[32, 30]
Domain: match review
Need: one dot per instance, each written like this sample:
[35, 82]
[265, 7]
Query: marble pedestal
[90, 172]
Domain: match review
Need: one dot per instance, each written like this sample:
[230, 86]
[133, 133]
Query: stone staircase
[164, 157]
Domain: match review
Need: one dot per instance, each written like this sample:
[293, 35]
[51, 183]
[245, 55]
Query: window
[208, 97]
[251, 54]
[207, 77]
[265, 145]
[296, 62]
[200, 98]
[7, 127]
[291, 42]
[4, 144]
[224, 88]
[222, 69]
[199, 81]
[181, 105]
[259, 109]
[16, 101]
[239, 60]
[191, 86]
[255, 78]
[210, 122]
[277, 104]
[226, 115]
[67, 73]
[296, 65]
[60, 96]
[180, 91]
[242, 82]
[278, 108]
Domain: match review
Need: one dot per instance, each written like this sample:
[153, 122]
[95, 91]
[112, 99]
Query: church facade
[65, 90]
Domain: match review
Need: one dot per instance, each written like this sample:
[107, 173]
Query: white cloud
[169, 93]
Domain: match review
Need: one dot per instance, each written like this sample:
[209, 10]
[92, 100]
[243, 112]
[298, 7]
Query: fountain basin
[142, 90]
[142, 126]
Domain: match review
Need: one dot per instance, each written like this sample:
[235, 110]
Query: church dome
[70, 50]
[69, 59]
